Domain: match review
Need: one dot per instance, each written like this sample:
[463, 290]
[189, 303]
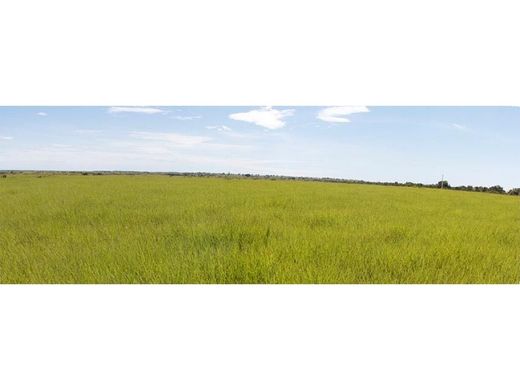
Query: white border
[259, 337]
[231, 52]
[402, 52]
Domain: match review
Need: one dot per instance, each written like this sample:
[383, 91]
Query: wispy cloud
[229, 132]
[61, 146]
[221, 128]
[88, 131]
[6, 138]
[41, 113]
[139, 110]
[187, 118]
[136, 156]
[339, 114]
[460, 127]
[267, 117]
[173, 138]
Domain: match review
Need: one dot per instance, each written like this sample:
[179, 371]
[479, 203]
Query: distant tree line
[496, 189]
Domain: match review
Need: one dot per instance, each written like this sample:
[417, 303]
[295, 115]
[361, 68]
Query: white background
[259, 52]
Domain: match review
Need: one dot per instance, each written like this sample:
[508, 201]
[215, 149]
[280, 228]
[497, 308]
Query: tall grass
[159, 229]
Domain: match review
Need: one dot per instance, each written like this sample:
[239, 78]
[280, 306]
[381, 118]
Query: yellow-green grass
[160, 229]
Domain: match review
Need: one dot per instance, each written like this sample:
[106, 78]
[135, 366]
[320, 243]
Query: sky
[468, 145]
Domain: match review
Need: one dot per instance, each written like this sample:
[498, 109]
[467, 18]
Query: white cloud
[187, 118]
[266, 117]
[41, 113]
[173, 138]
[339, 114]
[140, 110]
[221, 128]
[4, 137]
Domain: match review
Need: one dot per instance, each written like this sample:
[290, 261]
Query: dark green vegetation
[160, 229]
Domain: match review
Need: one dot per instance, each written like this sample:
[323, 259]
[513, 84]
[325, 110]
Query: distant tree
[497, 189]
[443, 184]
[514, 191]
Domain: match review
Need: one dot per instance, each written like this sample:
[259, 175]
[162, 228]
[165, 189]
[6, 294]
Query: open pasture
[160, 229]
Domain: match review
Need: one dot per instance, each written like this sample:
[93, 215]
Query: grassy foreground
[160, 229]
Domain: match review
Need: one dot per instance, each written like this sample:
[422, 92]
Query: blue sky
[469, 145]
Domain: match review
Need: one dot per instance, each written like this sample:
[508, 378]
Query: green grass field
[160, 229]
